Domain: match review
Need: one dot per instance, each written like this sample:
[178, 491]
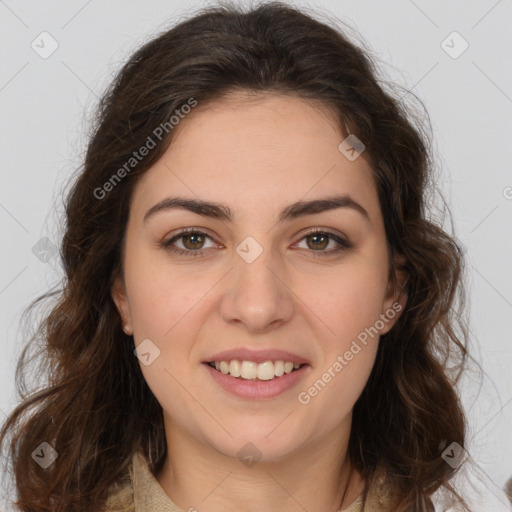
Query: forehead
[264, 150]
[244, 120]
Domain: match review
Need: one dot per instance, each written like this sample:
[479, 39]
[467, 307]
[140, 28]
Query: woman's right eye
[192, 242]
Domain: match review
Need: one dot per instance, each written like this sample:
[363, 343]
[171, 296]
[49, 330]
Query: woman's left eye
[321, 239]
[192, 243]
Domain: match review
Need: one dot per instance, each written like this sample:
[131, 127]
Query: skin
[257, 155]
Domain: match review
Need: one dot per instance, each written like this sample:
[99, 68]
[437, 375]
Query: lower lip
[260, 388]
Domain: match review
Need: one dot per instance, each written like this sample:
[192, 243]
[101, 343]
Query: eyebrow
[224, 213]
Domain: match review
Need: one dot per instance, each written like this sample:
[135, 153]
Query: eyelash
[343, 243]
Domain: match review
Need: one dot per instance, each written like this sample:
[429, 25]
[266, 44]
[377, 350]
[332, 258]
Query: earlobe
[119, 296]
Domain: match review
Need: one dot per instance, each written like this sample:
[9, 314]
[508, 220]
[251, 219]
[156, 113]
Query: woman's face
[253, 280]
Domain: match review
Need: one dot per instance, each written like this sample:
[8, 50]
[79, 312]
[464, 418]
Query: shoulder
[121, 495]
[139, 491]
[478, 491]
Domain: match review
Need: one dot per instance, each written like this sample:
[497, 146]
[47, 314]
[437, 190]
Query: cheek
[169, 307]
[347, 300]
[160, 297]
[346, 350]
[165, 307]
[332, 393]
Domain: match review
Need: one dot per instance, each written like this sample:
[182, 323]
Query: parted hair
[92, 404]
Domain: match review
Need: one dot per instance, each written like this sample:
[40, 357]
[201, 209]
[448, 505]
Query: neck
[319, 476]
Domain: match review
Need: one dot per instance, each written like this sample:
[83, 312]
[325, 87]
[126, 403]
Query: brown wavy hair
[95, 407]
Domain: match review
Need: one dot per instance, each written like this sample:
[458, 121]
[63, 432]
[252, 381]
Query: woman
[258, 312]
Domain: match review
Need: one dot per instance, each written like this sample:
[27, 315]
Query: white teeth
[279, 368]
[266, 370]
[250, 370]
[234, 368]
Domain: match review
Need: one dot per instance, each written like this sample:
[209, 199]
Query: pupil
[192, 237]
[316, 237]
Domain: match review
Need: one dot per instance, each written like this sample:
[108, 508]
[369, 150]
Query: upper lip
[257, 356]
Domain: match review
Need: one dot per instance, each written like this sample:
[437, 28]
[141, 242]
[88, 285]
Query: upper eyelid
[188, 231]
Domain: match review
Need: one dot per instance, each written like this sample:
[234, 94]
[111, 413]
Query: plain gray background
[43, 124]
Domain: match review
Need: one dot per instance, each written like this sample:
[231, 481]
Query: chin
[257, 444]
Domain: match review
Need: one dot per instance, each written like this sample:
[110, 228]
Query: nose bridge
[256, 295]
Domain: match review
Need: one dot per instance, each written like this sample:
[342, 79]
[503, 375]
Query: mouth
[250, 380]
[255, 372]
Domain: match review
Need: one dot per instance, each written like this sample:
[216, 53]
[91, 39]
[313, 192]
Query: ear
[396, 296]
[120, 298]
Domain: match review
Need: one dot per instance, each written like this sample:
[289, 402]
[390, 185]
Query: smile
[250, 370]
[246, 382]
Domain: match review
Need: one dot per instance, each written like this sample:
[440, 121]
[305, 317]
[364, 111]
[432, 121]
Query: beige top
[143, 493]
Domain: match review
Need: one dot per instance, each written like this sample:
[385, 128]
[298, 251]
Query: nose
[257, 295]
